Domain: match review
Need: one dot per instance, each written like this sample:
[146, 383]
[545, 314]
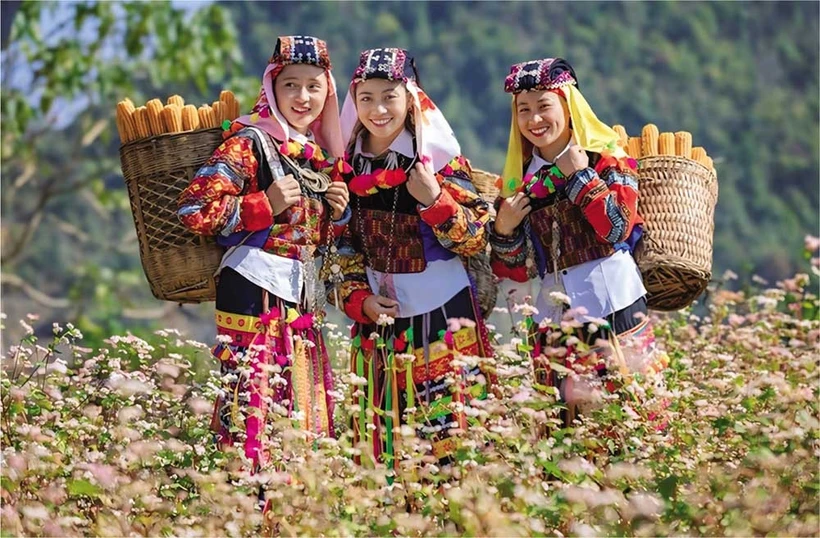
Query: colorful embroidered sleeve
[608, 197]
[459, 216]
[222, 197]
[508, 255]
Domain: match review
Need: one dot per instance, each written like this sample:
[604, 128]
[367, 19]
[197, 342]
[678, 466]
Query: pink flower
[308, 151]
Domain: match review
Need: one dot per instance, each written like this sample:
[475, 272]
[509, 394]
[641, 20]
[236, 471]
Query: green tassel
[388, 411]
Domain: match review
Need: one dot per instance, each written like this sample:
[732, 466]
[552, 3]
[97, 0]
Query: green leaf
[668, 487]
[83, 488]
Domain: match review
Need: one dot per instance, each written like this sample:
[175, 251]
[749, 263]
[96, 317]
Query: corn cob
[649, 140]
[699, 155]
[125, 121]
[633, 147]
[622, 136]
[683, 144]
[154, 109]
[227, 97]
[666, 144]
[207, 120]
[141, 121]
[176, 100]
[172, 118]
[220, 112]
[190, 118]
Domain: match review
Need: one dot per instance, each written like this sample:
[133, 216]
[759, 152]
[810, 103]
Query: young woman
[401, 278]
[569, 208]
[266, 194]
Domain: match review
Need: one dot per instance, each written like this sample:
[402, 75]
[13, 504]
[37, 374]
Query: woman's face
[382, 107]
[301, 91]
[543, 119]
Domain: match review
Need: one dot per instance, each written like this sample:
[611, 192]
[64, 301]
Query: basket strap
[271, 156]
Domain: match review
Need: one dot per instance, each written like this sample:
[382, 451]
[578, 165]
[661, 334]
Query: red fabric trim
[354, 306]
[255, 212]
[444, 208]
[501, 270]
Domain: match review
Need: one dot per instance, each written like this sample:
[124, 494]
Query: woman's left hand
[338, 197]
[423, 185]
[574, 159]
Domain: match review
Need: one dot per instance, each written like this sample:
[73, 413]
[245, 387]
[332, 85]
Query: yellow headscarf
[590, 133]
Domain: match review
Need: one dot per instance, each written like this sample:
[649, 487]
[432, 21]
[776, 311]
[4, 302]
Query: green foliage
[742, 77]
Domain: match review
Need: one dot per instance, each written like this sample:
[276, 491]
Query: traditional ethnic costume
[580, 234]
[395, 247]
[272, 355]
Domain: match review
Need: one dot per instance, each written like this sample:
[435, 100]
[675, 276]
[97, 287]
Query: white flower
[559, 298]
[384, 319]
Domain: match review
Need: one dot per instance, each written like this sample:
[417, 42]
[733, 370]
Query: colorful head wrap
[547, 74]
[553, 74]
[265, 113]
[435, 139]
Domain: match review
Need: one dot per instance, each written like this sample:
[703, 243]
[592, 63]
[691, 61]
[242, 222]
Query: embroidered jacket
[605, 196]
[457, 218]
[227, 198]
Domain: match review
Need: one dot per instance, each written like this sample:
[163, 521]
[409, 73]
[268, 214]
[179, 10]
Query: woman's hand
[283, 193]
[574, 159]
[511, 213]
[423, 185]
[338, 197]
[376, 305]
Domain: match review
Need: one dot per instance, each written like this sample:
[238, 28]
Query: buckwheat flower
[645, 505]
[28, 328]
[525, 310]
[385, 320]
[224, 338]
[559, 298]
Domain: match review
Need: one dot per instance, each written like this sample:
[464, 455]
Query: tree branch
[10, 279]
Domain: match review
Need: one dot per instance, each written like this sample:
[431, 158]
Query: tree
[66, 222]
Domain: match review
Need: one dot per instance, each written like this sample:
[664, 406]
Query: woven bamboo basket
[677, 202]
[178, 264]
[484, 183]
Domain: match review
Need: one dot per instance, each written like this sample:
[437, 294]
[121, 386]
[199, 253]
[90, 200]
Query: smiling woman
[415, 212]
[569, 209]
[266, 194]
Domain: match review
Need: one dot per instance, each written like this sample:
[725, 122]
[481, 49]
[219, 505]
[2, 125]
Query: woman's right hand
[511, 213]
[376, 305]
[283, 193]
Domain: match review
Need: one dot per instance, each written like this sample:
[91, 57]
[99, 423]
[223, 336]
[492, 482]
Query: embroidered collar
[402, 144]
[391, 175]
[542, 177]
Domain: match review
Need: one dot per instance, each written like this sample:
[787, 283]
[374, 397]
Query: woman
[569, 208]
[400, 277]
[265, 194]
